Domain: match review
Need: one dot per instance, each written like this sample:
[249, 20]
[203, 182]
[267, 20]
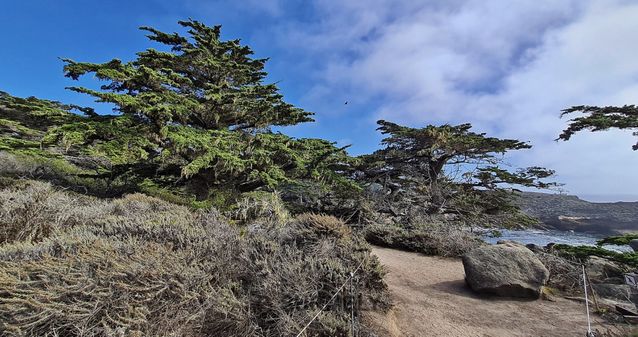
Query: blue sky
[507, 67]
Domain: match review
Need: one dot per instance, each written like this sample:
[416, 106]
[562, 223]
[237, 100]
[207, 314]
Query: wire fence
[353, 290]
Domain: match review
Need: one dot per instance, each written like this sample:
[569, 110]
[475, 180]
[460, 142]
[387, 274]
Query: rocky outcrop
[617, 292]
[634, 244]
[509, 270]
[602, 270]
[567, 212]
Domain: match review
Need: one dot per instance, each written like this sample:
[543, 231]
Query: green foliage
[491, 177]
[191, 121]
[582, 252]
[25, 120]
[494, 233]
[149, 187]
[420, 155]
[203, 82]
[13, 127]
[29, 115]
[426, 151]
[449, 169]
[423, 153]
[118, 139]
[259, 207]
[601, 119]
[55, 168]
[618, 240]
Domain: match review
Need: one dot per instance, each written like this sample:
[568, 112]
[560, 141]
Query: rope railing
[589, 332]
[349, 279]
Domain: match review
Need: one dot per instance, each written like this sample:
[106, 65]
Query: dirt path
[431, 299]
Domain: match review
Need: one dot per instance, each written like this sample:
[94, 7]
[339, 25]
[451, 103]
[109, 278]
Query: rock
[534, 248]
[375, 188]
[547, 294]
[634, 244]
[510, 243]
[508, 270]
[615, 280]
[601, 270]
[619, 292]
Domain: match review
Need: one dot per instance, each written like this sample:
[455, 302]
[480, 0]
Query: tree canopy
[421, 154]
[195, 119]
[201, 82]
[445, 167]
[600, 119]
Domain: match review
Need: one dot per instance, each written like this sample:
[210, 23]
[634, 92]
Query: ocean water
[544, 237]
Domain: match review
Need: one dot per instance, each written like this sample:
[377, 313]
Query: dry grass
[260, 207]
[33, 211]
[139, 266]
[564, 275]
[321, 226]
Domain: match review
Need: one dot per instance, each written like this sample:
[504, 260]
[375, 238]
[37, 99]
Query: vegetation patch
[139, 266]
[618, 240]
[582, 252]
[184, 213]
[433, 239]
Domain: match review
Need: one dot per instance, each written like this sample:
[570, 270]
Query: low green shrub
[618, 240]
[582, 252]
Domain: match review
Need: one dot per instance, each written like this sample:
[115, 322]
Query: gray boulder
[507, 270]
[530, 246]
[601, 270]
[619, 292]
[534, 248]
[510, 243]
[634, 244]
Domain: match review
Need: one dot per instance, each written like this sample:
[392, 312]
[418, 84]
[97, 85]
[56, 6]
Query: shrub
[582, 252]
[618, 240]
[315, 227]
[72, 173]
[564, 274]
[434, 239]
[259, 206]
[33, 212]
[139, 266]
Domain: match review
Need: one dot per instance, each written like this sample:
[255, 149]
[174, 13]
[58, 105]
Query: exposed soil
[431, 298]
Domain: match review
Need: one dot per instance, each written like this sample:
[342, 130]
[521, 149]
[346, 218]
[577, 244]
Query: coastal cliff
[568, 212]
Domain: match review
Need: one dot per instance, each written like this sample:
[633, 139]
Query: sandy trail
[431, 299]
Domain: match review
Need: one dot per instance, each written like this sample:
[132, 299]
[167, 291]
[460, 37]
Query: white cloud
[217, 9]
[507, 67]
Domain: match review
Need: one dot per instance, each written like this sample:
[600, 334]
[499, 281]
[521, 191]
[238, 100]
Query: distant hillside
[568, 212]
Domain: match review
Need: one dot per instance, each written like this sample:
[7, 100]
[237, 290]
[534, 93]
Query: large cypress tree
[421, 155]
[439, 168]
[193, 118]
[203, 82]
